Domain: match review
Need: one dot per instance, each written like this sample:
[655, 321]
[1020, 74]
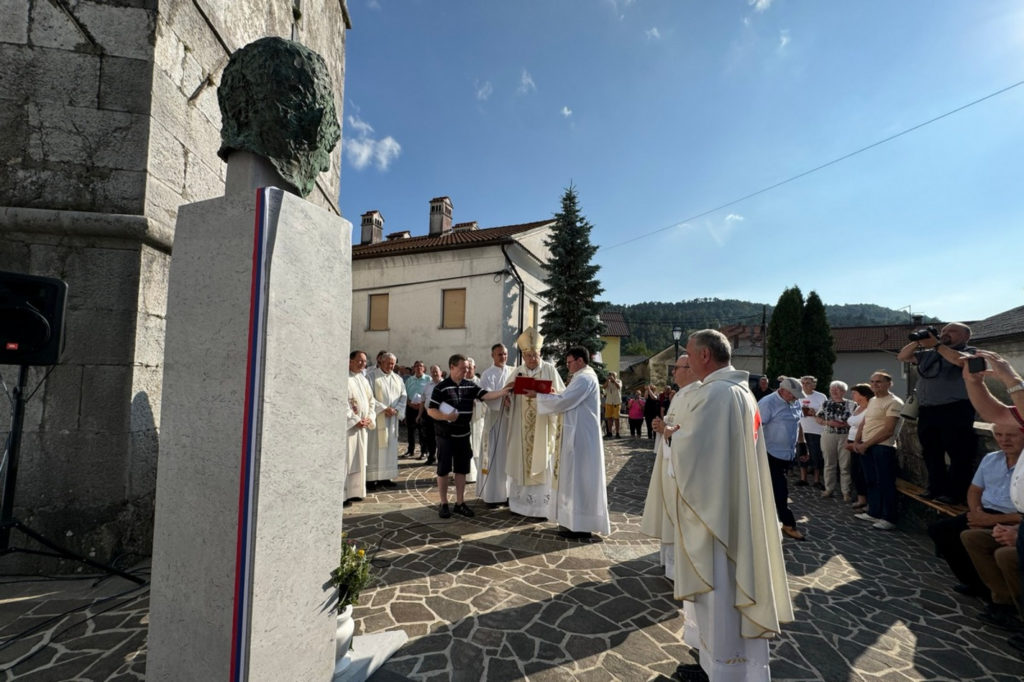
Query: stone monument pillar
[250, 480]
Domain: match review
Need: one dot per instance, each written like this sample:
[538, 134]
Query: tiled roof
[890, 337]
[456, 239]
[615, 324]
[1008, 323]
[742, 331]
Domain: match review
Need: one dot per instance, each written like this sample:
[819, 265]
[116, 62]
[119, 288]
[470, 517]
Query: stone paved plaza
[500, 597]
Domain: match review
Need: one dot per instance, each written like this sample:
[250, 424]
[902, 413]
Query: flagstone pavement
[501, 597]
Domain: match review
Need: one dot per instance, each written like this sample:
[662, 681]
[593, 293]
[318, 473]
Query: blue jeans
[879, 463]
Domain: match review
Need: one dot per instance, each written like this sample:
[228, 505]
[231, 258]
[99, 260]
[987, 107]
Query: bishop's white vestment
[382, 453]
[533, 444]
[361, 406]
[728, 548]
[492, 481]
[581, 498]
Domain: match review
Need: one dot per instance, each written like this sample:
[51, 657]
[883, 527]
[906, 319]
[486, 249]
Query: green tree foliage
[572, 316]
[785, 336]
[819, 348]
[636, 348]
[651, 322]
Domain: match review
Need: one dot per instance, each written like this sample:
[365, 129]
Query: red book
[524, 384]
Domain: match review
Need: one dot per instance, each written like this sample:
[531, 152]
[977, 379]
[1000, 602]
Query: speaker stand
[9, 523]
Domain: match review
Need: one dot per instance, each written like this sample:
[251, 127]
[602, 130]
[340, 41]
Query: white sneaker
[864, 516]
[884, 525]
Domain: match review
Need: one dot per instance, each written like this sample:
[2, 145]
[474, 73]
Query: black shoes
[690, 672]
[801, 482]
[445, 512]
[464, 510]
[971, 590]
[574, 535]
[431, 460]
[1002, 616]
[386, 484]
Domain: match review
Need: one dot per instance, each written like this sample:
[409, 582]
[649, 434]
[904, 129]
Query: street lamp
[677, 333]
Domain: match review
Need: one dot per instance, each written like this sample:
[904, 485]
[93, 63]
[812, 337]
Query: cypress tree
[819, 349]
[571, 317]
[785, 336]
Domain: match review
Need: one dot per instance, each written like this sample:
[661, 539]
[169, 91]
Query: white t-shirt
[815, 401]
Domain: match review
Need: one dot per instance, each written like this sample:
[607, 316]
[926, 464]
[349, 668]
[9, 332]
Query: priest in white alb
[659, 519]
[581, 497]
[390, 398]
[533, 439]
[728, 547]
[492, 481]
[362, 420]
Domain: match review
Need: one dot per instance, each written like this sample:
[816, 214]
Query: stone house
[111, 122]
[457, 289]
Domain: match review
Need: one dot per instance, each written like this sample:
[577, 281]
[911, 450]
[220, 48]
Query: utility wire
[816, 168]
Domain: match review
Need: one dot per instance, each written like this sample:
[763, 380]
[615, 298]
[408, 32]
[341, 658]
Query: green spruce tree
[572, 315]
[819, 349]
[785, 336]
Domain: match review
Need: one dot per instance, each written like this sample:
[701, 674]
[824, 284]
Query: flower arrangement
[352, 573]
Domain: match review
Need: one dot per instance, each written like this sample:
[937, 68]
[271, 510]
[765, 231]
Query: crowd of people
[528, 440]
[725, 454]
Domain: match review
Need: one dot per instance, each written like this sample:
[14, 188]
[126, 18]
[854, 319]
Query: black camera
[921, 334]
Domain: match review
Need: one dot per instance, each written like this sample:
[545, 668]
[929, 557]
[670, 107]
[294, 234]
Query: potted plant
[349, 579]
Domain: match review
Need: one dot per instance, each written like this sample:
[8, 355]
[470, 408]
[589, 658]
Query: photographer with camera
[945, 421]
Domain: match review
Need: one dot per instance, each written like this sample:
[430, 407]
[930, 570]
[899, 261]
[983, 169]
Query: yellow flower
[362, 552]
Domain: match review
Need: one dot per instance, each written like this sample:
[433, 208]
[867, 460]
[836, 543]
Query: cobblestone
[499, 597]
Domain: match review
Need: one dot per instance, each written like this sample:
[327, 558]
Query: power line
[817, 168]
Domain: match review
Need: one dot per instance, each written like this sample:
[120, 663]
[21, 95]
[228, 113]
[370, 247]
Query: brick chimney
[918, 319]
[373, 228]
[440, 216]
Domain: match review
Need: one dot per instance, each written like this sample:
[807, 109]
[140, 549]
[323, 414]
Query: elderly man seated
[989, 504]
[994, 556]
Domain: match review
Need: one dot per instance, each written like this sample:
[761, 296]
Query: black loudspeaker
[31, 319]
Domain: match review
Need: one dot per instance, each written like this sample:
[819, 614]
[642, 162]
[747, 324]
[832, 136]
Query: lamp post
[677, 333]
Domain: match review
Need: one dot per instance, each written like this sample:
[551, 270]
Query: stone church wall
[111, 122]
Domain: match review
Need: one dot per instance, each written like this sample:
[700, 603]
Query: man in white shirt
[390, 397]
[492, 484]
[811, 403]
[361, 422]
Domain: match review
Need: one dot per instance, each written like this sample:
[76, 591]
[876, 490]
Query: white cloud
[363, 149]
[374, 4]
[652, 33]
[760, 5]
[483, 90]
[526, 83]
[783, 39]
[566, 112]
[721, 232]
[359, 126]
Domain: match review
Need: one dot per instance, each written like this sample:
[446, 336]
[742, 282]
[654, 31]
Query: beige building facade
[457, 289]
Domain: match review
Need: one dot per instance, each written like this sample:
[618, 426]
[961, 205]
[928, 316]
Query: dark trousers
[948, 428]
[411, 427]
[879, 462]
[857, 473]
[779, 468]
[649, 418]
[634, 426]
[816, 461]
[1020, 565]
[428, 442]
[946, 536]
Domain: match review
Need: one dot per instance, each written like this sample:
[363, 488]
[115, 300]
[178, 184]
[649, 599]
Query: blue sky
[659, 110]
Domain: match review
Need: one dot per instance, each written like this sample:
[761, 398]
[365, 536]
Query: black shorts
[453, 454]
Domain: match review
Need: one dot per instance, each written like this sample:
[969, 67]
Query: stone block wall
[110, 123]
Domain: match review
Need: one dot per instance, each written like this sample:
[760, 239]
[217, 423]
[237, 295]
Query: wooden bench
[916, 492]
